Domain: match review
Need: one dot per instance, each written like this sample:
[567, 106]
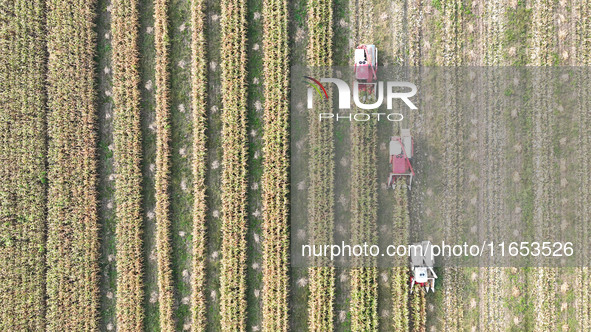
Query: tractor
[366, 68]
[421, 265]
[401, 152]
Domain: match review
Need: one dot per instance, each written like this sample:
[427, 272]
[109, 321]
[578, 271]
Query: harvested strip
[198, 94]
[276, 164]
[127, 152]
[321, 172]
[22, 165]
[541, 54]
[72, 221]
[163, 247]
[234, 169]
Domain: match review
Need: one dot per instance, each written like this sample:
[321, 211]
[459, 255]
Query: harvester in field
[401, 152]
[421, 265]
[366, 68]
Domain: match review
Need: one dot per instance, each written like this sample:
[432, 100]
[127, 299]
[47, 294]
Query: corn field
[149, 166]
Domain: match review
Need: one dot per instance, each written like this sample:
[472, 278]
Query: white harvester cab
[421, 265]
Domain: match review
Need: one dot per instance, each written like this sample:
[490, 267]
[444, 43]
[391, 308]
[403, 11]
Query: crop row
[198, 100]
[162, 182]
[541, 54]
[72, 224]
[234, 167]
[276, 164]
[22, 165]
[400, 276]
[127, 153]
[321, 171]
[364, 188]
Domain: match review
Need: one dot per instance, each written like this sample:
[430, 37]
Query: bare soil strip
[199, 103]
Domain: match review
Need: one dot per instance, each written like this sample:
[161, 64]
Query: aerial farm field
[147, 179]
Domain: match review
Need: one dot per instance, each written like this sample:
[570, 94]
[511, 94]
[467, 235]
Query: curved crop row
[127, 153]
[22, 165]
[162, 182]
[234, 168]
[198, 99]
[321, 171]
[72, 224]
[276, 164]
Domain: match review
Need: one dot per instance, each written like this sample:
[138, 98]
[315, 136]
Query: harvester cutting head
[421, 265]
[366, 67]
[401, 152]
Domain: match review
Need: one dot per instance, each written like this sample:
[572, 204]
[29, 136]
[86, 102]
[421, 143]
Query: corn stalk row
[276, 164]
[162, 182]
[234, 169]
[72, 224]
[22, 160]
[321, 171]
[364, 188]
[127, 153]
[198, 100]
[540, 54]
[401, 309]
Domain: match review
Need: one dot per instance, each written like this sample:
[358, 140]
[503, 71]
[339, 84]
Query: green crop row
[22, 165]
[276, 164]
[72, 219]
[234, 166]
[162, 182]
[127, 153]
[198, 97]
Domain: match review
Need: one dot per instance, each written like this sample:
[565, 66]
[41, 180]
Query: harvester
[366, 68]
[401, 152]
[421, 265]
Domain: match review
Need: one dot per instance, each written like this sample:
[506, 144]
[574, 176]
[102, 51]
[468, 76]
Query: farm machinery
[401, 152]
[421, 265]
[366, 68]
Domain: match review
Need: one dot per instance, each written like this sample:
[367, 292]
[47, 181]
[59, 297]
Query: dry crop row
[22, 161]
[544, 279]
[364, 292]
[276, 164]
[400, 276]
[162, 182]
[321, 171]
[127, 153]
[364, 188]
[234, 168]
[72, 221]
[198, 100]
